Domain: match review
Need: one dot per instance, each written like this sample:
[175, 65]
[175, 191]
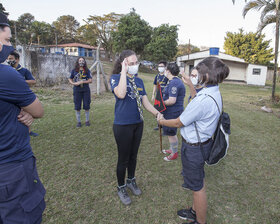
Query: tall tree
[23, 27]
[163, 44]
[133, 33]
[66, 27]
[103, 27]
[250, 46]
[184, 49]
[42, 33]
[3, 10]
[86, 34]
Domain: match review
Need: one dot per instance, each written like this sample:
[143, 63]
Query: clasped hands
[160, 118]
[25, 118]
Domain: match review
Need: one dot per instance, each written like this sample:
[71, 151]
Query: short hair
[162, 62]
[118, 64]
[216, 69]
[15, 54]
[173, 68]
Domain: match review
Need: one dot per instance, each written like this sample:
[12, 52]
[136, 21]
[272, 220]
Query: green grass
[77, 166]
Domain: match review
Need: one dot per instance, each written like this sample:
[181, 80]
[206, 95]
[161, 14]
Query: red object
[159, 104]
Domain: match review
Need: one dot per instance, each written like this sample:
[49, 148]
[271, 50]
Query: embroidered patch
[174, 90]
[113, 82]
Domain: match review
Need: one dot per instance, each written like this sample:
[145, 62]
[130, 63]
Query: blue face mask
[6, 50]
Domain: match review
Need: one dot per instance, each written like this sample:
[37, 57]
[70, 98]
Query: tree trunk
[276, 50]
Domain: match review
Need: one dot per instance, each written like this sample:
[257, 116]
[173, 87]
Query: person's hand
[25, 118]
[160, 118]
[153, 98]
[124, 66]
[186, 79]
[77, 83]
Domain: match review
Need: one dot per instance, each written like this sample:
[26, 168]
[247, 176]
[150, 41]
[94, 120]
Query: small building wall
[256, 75]
[237, 71]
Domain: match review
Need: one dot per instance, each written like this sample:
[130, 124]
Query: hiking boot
[187, 214]
[124, 197]
[79, 124]
[131, 184]
[167, 151]
[194, 222]
[171, 157]
[87, 123]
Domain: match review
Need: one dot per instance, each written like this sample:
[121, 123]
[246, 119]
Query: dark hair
[118, 64]
[216, 69]
[173, 68]
[77, 66]
[162, 62]
[15, 54]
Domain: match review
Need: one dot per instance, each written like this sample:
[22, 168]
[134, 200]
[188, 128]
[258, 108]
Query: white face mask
[194, 80]
[132, 70]
[161, 69]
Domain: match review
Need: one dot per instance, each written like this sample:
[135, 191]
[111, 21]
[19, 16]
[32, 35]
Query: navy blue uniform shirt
[78, 76]
[126, 110]
[14, 136]
[162, 80]
[25, 73]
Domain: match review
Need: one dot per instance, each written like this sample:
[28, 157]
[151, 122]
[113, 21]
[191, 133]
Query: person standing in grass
[13, 60]
[203, 112]
[173, 98]
[21, 191]
[159, 79]
[130, 94]
[80, 78]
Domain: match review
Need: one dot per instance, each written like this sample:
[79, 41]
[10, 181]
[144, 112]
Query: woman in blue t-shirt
[173, 97]
[80, 78]
[130, 94]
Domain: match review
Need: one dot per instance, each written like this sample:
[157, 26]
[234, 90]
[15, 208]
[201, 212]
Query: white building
[240, 70]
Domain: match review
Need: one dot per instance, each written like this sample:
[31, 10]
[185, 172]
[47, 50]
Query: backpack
[220, 139]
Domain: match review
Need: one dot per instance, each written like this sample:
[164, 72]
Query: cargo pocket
[13, 183]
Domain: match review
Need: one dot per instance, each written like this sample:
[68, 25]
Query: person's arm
[74, 83]
[25, 118]
[31, 82]
[153, 94]
[148, 106]
[120, 89]
[170, 101]
[174, 123]
[35, 109]
[86, 81]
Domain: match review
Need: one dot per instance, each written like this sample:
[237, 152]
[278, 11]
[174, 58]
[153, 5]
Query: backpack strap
[217, 103]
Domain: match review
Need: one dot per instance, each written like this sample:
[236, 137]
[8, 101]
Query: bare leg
[200, 204]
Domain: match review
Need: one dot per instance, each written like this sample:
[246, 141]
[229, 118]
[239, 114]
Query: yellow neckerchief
[81, 74]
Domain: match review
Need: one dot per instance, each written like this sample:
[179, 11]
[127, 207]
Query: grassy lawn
[77, 166]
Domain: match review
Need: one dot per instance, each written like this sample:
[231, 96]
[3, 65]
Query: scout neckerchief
[138, 100]
[19, 67]
[81, 72]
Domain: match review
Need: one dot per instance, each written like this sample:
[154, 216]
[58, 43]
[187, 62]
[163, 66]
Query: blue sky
[204, 22]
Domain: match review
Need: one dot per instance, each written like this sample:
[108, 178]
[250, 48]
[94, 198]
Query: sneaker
[125, 199]
[156, 128]
[79, 124]
[33, 134]
[171, 157]
[194, 222]
[167, 151]
[131, 184]
[187, 214]
[87, 123]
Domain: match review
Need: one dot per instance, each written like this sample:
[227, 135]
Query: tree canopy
[250, 46]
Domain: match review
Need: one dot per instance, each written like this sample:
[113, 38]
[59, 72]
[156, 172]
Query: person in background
[130, 94]
[159, 79]
[80, 78]
[173, 98]
[21, 191]
[203, 113]
[13, 60]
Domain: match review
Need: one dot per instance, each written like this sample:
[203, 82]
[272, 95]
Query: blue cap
[4, 20]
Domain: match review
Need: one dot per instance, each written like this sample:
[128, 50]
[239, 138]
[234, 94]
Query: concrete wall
[256, 79]
[237, 71]
[50, 69]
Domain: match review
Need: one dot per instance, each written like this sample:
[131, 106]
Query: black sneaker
[124, 197]
[131, 184]
[194, 222]
[187, 214]
[79, 124]
[87, 123]
[156, 128]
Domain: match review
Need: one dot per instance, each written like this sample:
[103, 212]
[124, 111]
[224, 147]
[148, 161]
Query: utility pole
[189, 49]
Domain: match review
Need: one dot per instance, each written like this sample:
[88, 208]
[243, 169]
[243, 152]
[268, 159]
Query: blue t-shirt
[25, 73]
[14, 136]
[126, 110]
[162, 80]
[78, 76]
[175, 88]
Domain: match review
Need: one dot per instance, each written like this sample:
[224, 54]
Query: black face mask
[81, 64]
[12, 63]
[6, 50]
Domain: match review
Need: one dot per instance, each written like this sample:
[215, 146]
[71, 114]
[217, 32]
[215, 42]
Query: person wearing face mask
[22, 192]
[80, 78]
[159, 79]
[173, 98]
[130, 95]
[13, 60]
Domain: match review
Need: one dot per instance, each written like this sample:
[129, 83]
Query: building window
[256, 71]
[71, 50]
[75, 50]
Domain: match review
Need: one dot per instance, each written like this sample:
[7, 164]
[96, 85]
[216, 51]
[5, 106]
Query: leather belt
[197, 143]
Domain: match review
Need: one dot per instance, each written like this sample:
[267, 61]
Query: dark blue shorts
[82, 96]
[167, 130]
[21, 193]
[193, 165]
